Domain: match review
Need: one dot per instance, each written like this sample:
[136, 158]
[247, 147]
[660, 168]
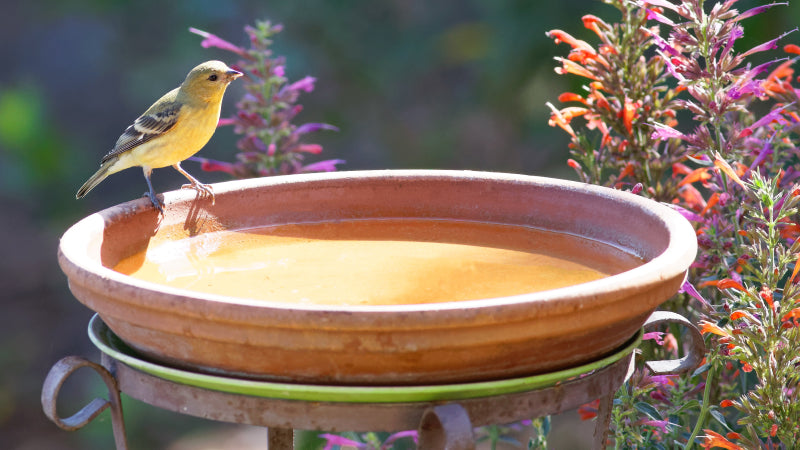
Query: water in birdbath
[377, 262]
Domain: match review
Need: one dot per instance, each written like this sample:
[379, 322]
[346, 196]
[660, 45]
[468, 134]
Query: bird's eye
[213, 77]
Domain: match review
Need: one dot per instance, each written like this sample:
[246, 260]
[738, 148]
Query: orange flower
[568, 66]
[626, 171]
[726, 403]
[563, 36]
[594, 23]
[727, 283]
[723, 165]
[736, 315]
[599, 99]
[557, 119]
[793, 314]
[700, 174]
[791, 48]
[627, 114]
[589, 410]
[714, 439]
[713, 200]
[794, 272]
[766, 295]
[691, 197]
[708, 327]
[570, 97]
[680, 169]
[572, 112]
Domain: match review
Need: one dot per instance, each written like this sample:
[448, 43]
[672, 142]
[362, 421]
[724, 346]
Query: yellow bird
[174, 128]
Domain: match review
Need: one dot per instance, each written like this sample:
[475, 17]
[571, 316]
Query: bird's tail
[98, 176]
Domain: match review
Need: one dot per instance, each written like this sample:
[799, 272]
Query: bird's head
[209, 80]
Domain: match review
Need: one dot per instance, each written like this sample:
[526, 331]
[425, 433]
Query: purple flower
[662, 3]
[766, 150]
[653, 15]
[312, 127]
[688, 288]
[776, 115]
[755, 11]
[305, 84]
[333, 440]
[687, 214]
[769, 45]
[322, 166]
[664, 132]
[211, 40]
[657, 336]
[210, 165]
[399, 435]
[660, 424]
[662, 44]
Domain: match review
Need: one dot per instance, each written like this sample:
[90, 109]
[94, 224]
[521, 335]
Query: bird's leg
[196, 185]
[151, 193]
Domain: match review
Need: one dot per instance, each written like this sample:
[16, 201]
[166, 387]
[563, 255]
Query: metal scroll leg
[603, 422]
[280, 439]
[52, 385]
[446, 427]
[695, 351]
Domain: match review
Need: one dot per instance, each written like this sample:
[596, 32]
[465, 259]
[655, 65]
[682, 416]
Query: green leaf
[691, 404]
[649, 410]
[717, 414]
[701, 369]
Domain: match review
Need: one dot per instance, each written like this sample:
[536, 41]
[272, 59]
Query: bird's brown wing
[145, 128]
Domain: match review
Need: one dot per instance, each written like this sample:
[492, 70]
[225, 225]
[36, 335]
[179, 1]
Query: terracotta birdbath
[380, 277]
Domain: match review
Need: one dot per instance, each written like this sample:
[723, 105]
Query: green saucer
[108, 343]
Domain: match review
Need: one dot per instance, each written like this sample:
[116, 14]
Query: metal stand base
[441, 425]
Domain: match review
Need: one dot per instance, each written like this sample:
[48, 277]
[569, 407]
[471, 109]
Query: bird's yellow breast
[194, 128]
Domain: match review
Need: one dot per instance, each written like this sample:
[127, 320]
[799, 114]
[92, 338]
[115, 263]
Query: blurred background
[410, 84]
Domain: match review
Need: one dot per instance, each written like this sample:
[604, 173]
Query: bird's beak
[233, 74]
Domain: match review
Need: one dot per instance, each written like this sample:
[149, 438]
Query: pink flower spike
[225, 121]
[688, 214]
[309, 148]
[322, 166]
[688, 288]
[211, 40]
[333, 440]
[757, 10]
[653, 15]
[664, 132]
[657, 336]
[662, 3]
[776, 115]
[661, 424]
[279, 71]
[769, 45]
[210, 165]
[399, 435]
[305, 84]
[312, 127]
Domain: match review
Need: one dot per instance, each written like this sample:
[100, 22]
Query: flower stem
[701, 419]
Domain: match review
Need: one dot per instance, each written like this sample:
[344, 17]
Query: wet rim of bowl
[680, 251]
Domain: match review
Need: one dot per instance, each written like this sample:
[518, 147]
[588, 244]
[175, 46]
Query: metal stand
[441, 424]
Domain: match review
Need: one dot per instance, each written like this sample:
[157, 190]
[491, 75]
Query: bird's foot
[202, 189]
[155, 201]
